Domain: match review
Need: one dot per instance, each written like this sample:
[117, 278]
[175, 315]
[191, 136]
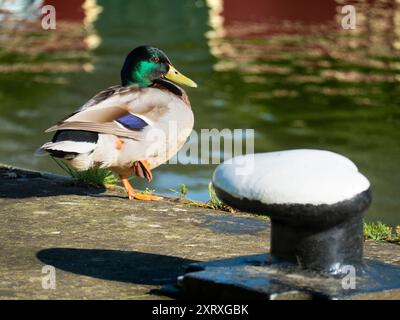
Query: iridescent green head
[145, 64]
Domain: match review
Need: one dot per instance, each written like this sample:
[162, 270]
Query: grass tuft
[93, 177]
[182, 193]
[148, 191]
[213, 202]
[378, 231]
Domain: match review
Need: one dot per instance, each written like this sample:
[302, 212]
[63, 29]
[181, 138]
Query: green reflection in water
[297, 91]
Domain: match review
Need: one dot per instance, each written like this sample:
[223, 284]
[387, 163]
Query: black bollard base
[261, 277]
[328, 249]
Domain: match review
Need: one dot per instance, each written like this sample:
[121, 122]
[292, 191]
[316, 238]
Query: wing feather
[101, 113]
[108, 127]
[107, 93]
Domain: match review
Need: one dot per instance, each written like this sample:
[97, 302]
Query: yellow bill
[177, 77]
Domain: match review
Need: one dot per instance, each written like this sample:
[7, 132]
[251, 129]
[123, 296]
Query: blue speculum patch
[132, 122]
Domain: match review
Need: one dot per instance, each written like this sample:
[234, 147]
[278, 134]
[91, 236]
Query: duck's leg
[132, 194]
[142, 169]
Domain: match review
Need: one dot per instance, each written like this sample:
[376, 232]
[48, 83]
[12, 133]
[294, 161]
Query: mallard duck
[130, 128]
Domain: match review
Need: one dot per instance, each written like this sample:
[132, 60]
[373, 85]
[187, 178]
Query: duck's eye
[155, 59]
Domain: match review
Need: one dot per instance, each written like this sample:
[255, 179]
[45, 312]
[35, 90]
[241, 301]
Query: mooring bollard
[316, 200]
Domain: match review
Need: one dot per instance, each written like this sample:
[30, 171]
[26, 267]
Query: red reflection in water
[70, 10]
[272, 17]
[305, 11]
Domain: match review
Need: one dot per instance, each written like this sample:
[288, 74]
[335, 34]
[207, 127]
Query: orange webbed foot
[146, 197]
[135, 195]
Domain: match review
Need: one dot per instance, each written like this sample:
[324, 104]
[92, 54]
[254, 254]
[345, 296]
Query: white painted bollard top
[303, 176]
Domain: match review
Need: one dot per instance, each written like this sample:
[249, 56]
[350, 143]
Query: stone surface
[104, 246]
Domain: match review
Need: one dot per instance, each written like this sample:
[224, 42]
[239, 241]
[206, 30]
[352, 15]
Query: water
[286, 69]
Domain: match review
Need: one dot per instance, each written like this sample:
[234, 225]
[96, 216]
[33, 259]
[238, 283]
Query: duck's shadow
[115, 265]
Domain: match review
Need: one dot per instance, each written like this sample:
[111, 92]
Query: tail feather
[69, 143]
[70, 146]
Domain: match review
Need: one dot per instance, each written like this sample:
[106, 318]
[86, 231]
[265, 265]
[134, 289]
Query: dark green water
[301, 87]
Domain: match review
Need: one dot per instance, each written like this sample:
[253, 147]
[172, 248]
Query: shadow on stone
[235, 225]
[18, 184]
[115, 265]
